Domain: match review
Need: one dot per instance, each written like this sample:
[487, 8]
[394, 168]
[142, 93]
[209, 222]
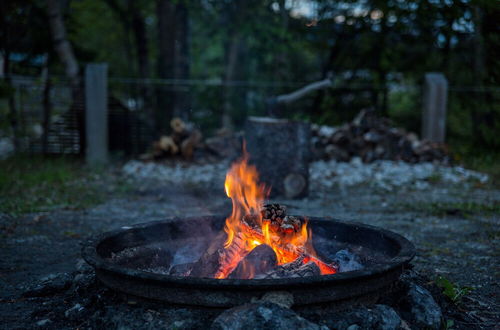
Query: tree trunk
[231, 62]
[12, 103]
[142, 49]
[47, 110]
[66, 55]
[181, 60]
[165, 13]
[61, 43]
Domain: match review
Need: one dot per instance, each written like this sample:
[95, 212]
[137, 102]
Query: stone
[82, 281]
[49, 285]
[83, 267]
[74, 312]
[378, 317]
[419, 307]
[262, 315]
[282, 298]
[43, 323]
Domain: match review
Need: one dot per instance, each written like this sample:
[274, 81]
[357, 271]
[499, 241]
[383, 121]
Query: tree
[61, 44]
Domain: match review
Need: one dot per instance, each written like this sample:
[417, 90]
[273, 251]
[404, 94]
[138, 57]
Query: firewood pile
[373, 138]
[182, 142]
[186, 142]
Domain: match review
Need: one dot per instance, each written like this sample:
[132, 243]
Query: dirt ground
[453, 239]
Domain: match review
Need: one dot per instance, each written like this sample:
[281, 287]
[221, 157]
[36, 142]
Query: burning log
[297, 268]
[260, 261]
[239, 248]
[247, 228]
[209, 262]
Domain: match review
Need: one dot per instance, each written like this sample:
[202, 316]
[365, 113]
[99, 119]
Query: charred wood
[261, 260]
[296, 268]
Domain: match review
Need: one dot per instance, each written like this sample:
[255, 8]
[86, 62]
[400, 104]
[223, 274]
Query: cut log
[190, 143]
[279, 149]
[373, 138]
[167, 144]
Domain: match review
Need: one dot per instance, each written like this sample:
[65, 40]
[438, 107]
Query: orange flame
[248, 197]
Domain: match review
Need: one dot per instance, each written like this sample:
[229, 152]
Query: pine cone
[274, 212]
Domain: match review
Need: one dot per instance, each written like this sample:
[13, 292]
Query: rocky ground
[453, 223]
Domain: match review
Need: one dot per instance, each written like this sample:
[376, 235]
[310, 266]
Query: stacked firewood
[183, 141]
[373, 138]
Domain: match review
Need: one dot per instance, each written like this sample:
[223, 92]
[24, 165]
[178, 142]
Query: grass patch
[34, 184]
[485, 162]
[452, 290]
[455, 208]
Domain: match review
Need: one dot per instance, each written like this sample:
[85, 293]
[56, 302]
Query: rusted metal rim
[112, 275]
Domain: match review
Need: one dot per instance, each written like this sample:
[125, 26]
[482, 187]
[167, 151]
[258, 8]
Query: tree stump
[280, 149]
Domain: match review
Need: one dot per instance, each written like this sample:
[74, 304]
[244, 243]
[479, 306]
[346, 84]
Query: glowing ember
[246, 228]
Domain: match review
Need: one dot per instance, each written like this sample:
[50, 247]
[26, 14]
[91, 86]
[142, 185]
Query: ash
[347, 261]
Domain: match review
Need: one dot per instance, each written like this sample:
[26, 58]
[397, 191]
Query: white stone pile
[387, 174]
[206, 174]
[383, 174]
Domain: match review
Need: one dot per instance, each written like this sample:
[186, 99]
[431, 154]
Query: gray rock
[83, 267]
[49, 285]
[282, 298]
[43, 323]
[419, 307]
[262, 315]
[74, 312]
[381, 317]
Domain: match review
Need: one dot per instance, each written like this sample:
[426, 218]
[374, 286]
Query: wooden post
[96, 113]
[280, 149]
[434, 107]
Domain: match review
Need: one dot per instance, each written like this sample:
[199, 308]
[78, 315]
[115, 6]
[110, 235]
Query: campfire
[261, 240]
[223, 261]
[258, 240]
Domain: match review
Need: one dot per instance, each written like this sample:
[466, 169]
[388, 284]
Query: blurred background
[115, 112]
[213, 63]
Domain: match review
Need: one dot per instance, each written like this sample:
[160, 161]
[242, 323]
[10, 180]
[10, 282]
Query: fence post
[96, 113]
[434, 107]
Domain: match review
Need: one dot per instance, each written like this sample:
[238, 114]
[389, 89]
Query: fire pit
[212, 261]
[383, 253]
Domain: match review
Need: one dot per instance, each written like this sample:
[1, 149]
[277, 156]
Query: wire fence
[140, 109]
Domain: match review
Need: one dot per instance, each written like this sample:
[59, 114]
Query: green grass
[479, 160]
[452, 290]
[34, 184]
